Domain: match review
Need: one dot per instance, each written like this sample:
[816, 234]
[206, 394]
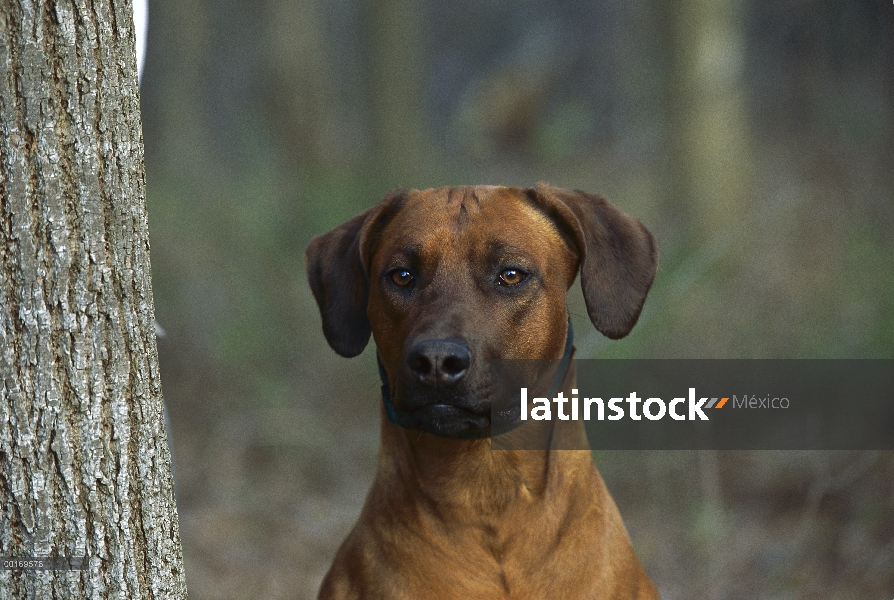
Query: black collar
[402, 419]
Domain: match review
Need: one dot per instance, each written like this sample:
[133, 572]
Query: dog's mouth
[457, 413]
[449, 420]
[458, 417]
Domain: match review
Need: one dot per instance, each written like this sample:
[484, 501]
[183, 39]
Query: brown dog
[446, 279]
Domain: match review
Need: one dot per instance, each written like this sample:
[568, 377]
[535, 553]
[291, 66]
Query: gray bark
[84, 461]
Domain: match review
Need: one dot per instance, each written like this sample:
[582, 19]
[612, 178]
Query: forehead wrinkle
[465, 201]
[466, 195]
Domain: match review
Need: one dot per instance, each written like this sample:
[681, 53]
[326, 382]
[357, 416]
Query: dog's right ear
[337, 269]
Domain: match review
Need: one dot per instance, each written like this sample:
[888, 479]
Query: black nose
[439, 362]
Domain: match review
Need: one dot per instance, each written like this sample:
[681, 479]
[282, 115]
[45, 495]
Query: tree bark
[84, 460]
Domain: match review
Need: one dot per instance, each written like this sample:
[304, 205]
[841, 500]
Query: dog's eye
[511, 277]
[402, 277]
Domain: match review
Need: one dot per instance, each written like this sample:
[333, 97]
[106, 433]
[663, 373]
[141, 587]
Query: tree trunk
[396, 88]
[710, 166]
[84, 461]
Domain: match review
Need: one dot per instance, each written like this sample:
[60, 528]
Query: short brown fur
[450, 518]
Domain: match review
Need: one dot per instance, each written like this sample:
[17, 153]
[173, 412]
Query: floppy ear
[619, 256]
[337, 271]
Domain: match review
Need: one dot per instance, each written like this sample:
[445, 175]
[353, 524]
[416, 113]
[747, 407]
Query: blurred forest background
[755, 139]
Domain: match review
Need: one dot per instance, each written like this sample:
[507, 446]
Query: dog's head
[447, 279]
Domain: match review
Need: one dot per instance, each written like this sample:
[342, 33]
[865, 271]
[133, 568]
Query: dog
[445, 280]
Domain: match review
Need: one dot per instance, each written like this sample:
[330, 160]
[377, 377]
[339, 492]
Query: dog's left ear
[618, 255]
[337, 272]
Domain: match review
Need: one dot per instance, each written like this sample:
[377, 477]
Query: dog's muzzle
[441, 365]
